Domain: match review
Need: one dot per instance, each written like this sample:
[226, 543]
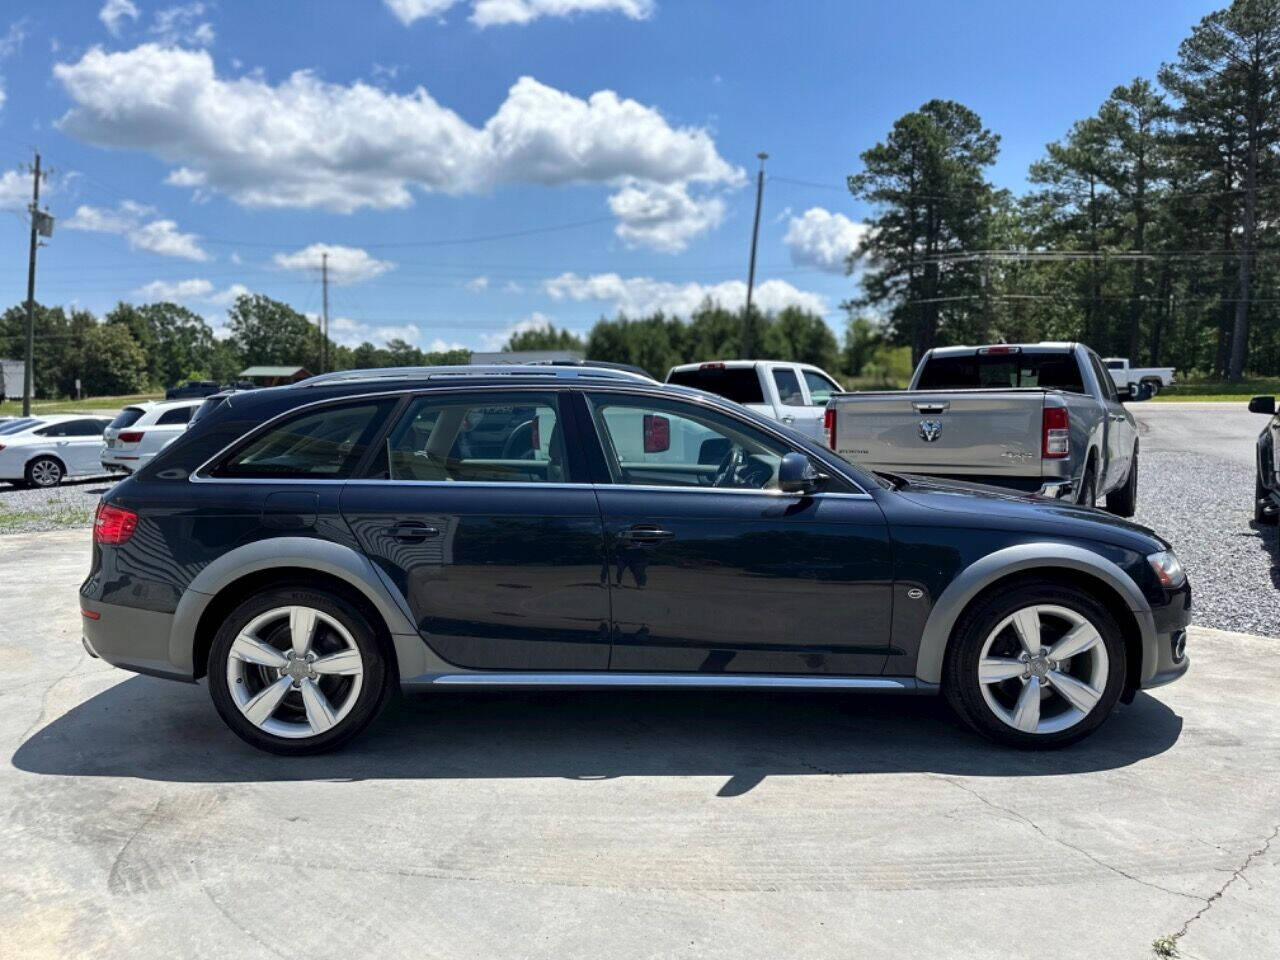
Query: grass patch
[1219, 391]
[57, 515]
[11, 408]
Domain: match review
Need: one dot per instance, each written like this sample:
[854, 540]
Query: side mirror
[1265, 405]
[796, 474]
[657, 433]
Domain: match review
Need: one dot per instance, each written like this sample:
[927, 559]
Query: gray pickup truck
[1042, 417]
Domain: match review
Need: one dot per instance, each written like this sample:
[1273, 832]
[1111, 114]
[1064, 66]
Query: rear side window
[17, 426]
[788, 385]
[326, 444]
[1051, 371]
[176, 415]
[127, 417]
[739, 384]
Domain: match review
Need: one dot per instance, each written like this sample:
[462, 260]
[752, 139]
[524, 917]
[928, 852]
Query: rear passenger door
[476, 508]
[78, 443]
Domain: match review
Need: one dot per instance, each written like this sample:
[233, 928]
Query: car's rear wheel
[1037, 666]
[45, 472]
[1088, 495]
[297, 671]
[1124, 502]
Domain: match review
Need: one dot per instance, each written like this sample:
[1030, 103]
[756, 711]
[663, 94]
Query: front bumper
[130, 638]
[1170, 660]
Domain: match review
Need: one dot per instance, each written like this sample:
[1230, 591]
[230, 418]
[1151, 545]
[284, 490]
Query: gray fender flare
[1027, 556]
[309, 553]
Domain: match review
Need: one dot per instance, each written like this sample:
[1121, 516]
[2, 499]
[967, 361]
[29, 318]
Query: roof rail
[475, 371]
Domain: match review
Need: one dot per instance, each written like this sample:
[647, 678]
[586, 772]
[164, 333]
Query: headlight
[1168, 569]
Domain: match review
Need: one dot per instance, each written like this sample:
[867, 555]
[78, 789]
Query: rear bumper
[130, 638]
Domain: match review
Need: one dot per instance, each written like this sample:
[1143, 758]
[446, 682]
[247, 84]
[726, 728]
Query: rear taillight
[113, 525]
[131, 436]
[829, 425]
[1057, 433]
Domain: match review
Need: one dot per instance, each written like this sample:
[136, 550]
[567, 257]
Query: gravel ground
[70, 504]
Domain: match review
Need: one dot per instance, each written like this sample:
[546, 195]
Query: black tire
[960, 673]
[1260, 495]
[45, 472]
[1124, 501]
[1153, 388]
[1087, 495]
[366, 703]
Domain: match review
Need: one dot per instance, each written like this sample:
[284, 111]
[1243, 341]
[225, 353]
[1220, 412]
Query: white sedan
[40, 451]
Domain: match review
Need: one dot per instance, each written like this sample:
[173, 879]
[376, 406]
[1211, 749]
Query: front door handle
[645, 533]
[411, 531]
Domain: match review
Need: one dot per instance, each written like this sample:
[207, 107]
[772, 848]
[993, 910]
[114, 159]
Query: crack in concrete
[44, 700]
[114, 883]
[1066, 843]
[1236, 874]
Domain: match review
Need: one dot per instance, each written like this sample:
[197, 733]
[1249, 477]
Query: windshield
[1051, 371]
[739, 384]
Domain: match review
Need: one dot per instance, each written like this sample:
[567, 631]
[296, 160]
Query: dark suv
[310, 548]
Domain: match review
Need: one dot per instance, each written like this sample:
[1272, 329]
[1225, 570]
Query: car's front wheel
[1261, 503]
[1040, 665]
[297, 671]
[44, 472]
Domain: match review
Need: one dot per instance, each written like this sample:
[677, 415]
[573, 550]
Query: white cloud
[637, 296]
[181, 25]
[15, 190]
[114, 11]
[663, 218]
[180, 291]
[476, 284]
[823, 239]
[306, 143]
[492, 342]
[346, 264]
[3, 95]
[157, 236]
[352, 333]
[491, 13]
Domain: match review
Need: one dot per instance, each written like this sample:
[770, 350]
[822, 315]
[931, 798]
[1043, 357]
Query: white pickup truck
[1140, 382]
[1042, 418]
[792, 393]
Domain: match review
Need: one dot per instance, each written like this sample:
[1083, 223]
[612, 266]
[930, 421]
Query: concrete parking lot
[650, 825]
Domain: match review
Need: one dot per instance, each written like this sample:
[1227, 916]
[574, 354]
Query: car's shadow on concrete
[157, 730]
[1269, 539]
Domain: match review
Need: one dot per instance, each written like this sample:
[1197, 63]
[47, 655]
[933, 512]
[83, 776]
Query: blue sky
[204, 148]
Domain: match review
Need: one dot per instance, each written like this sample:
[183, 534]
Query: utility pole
[28, 373]
[747, 328]
[324, 320]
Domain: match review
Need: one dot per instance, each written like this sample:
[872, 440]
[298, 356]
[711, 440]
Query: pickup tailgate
[987, 433]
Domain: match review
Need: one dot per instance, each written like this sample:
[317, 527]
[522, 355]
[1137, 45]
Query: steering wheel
[727, 472]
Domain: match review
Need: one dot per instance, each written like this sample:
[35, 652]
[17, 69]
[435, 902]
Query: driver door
[712, 569]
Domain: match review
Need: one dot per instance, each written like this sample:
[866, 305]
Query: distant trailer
[12, 373]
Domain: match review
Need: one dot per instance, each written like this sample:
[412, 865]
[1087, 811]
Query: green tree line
[1151, 229]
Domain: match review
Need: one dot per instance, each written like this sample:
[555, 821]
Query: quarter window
[176, 415]
[325, 444]
[478, 438]
[670, 444]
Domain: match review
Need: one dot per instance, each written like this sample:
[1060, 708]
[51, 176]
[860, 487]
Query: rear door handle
[411, 531]
[645, 534]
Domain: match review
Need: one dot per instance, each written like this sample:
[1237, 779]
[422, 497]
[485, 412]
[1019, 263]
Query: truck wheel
[1088, 495]
[1261, 497]
[1037, 666]
[1153, 387]
[1124, 501]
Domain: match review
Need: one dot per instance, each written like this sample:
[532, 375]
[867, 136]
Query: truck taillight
[712, 366]
[829, 425]
[113, 525]
[130, 436]
[1057, 433]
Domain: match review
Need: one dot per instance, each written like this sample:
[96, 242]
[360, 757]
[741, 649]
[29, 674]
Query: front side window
[325, 444]
[788, 385]
[479, 438]
[667, 443]
[820, 388]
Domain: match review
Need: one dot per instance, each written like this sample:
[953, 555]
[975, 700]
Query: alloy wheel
[1043, 669]
[294, 672]
[45, 473]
